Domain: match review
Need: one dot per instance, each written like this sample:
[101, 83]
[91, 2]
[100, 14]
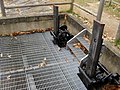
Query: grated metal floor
[20, 59]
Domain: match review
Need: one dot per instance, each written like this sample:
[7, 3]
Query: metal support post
[100, 10]
[110, 2]
[95, 48]
[56, 20]
[88, 67]
[72, 4]
[118, 33]
[2, 8]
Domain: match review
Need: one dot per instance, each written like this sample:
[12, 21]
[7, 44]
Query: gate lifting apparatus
[92, 73]
[60, 34]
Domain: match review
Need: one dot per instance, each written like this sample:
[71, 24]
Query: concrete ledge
[113, 48]
[14, 24]
[43, 17]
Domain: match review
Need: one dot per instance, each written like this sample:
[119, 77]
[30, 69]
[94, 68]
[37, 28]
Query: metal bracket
[92, 73]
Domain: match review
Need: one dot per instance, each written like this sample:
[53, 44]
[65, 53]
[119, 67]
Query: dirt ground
[111, 22]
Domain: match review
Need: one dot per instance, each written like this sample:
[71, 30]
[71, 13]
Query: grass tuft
[117, 43]
[112, 9]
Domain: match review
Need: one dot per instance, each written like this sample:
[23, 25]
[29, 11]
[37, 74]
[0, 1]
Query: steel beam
[100, 10]
[118, 33]
[95, 48]
[72, 4]
[2, 8]
[56, 20]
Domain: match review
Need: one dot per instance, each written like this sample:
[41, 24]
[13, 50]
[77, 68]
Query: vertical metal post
[100, 10]
[118, 33]
[95, 48]
[56, 20]
[71, 7]
[110, 2]
[2, 8]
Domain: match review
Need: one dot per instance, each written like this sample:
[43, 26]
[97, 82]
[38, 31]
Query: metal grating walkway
[20, 59]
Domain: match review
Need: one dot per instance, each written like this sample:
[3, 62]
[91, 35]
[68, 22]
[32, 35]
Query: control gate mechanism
[92, 73]
[60, 34]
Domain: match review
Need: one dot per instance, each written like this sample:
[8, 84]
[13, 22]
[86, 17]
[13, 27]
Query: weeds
[112, 9]
[117, 43]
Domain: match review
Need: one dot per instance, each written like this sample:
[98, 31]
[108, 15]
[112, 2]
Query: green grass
[117, 1]
[117, 43]
[84, 2]
[112, 9]
[69, 11]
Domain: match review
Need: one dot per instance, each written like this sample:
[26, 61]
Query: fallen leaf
[85, 37]
[77, 45]
[9, 56]
[85, 21]
[9, 77]
[79, 62]
[1, 55]
[59, 48]
[27, 32]
[45, 58]
[111, 87]
[104, 36]
[15, 37]
[42, 65]
[66, 59]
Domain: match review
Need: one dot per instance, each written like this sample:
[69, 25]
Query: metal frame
[55, 3]
[89, 63]
[56, 20]
[118, 32]
[95, 48]
[93, 74]
[2, 8]
[100, 10]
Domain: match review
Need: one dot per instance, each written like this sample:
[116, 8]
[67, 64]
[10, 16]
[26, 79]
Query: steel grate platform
[20, 59]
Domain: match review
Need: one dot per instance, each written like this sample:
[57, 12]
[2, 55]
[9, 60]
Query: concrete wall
[111, 57]
[10, 25]
[14, 24]
[74, 25]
